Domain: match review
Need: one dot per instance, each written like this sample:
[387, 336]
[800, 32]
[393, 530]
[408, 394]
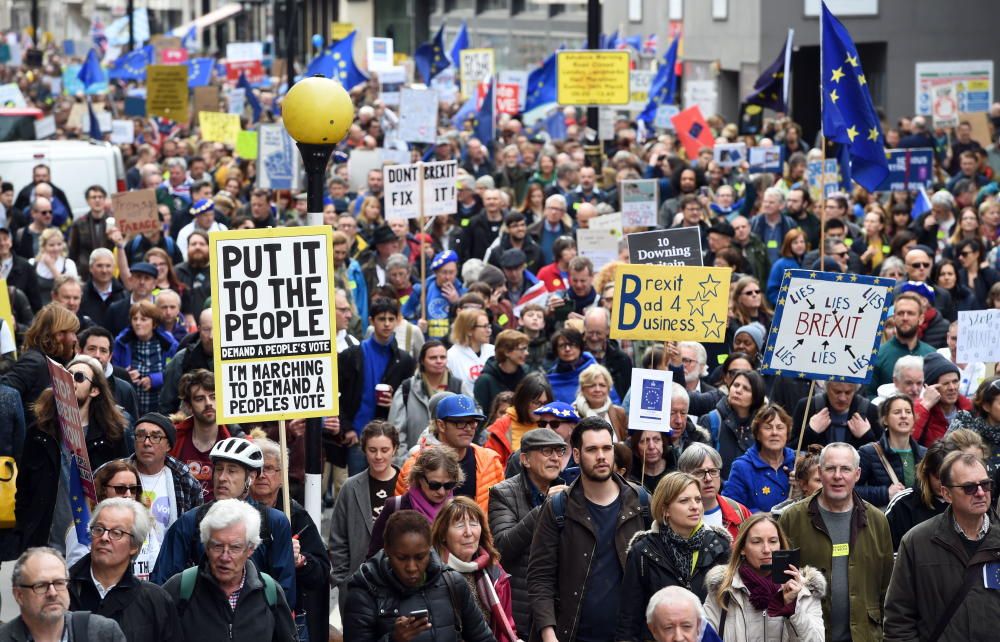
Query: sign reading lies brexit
[827, 326]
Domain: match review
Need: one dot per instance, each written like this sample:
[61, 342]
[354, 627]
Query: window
[720, 9]
[493, 5]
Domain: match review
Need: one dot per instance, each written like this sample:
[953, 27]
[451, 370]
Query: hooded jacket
[410, 411]
[493, 380]
[565, 383]
[753, 483]
[438, 307]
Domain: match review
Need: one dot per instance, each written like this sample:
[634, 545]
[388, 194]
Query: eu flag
[466, 111]
[430, 59]
[337, 63]
[771, 89]
[554, 125]
[132, 66]
[250, 97]
[664, 86]
[849, 117]
[484, 119]
[199, 71]
[461, 42]
[541, 85]
[78, 501]
[94, 125]
[91, 72]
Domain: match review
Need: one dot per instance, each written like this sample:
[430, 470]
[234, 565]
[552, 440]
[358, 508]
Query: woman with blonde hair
[470, 347]
[51, 261]
[594, 399]
[370, 217]
[745, 604]
[678, 550]
[461, 536]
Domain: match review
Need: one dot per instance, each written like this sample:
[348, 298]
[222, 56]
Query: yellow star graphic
[840, 277]
[766, 490]
[698, 305]
[784, 288]
[833, 96]
[862, 80]
[875, 281]
[711, 331]
[838, 73]
[852, 61]
[710, 286]
[781, 301]
[873, 134]
[812, 275]
[802, 375]
[770, 348]
[852, 132]
[854, 277]
[777, 372]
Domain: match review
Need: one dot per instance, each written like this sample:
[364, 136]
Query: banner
[418, 115]
[729, 154]
[515, 77]
[275, 346]
[671, 303]
[222, 128]
[475, 66]
[639, 86]
[827, 326]
[977, 336]
[403, 188]
[593, 78]
[674, 246]
[600, 246]
[122, 131]
[82, 495]
[639, 202]
[277, 158]
[972, 81]
[909, 169]
[765, 159]
[239, 51]
[253, 69]
[246, 145]
[391, 82]
[649, 407]
[135, 211]
[167, 92]
[692, 130]
[832, 182]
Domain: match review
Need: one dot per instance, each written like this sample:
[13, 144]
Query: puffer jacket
[744, 623]
[375, 598]
[488, 473]
[650, 567]
[873, 485]
[500, 434]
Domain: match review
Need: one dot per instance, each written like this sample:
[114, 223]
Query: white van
[75, 165]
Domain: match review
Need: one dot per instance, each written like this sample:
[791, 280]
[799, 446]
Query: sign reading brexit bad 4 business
[273, 329]
[827, 325]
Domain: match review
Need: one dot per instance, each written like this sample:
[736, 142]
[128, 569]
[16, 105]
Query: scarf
[926, 321]
[584, 409]
[683, 552]
[423, 505]
[765, 593]
[479, 568]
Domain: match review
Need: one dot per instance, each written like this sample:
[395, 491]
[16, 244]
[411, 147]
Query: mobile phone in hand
[420, 614]
[780, 561]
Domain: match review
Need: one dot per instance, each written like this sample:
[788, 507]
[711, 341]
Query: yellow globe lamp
[317, 111]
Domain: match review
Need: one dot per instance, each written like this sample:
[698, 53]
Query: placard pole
[822, 207]
[423, 260]
[286, 502]
[805, 417]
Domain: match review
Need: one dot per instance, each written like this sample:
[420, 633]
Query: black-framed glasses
[841, 254]
[965, 253]
[482, 325]
[550, 423]
[710, 473]
[436, 485]
[41, 588]
[79, 377]
[122, 489]
[548, 451]
[114, 534]
[973, 487]
[153, 437]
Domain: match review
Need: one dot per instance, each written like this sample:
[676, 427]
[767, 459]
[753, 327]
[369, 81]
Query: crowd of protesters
[483, 479]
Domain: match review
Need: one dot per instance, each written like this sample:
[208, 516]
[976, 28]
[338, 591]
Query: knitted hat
[937, 366]
[161, 422]
[756, 331]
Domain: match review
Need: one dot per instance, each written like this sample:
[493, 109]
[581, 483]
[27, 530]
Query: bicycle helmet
[238, 450]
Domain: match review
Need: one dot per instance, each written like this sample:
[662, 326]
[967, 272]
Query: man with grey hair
[225, 596]
[484, 228]
[103, 581]
[607, 352]
[694, 359]
[40, 584]
[907, 379]
[772, 223]
[101, 289]
[675, 614]
[837, 530]
[934, 227]
[555, 222]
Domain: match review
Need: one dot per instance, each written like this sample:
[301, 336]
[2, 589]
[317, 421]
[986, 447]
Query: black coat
[29, 376]
[95, 307]
[733, 442]
[350, 372]
[478, 237]
[492, 381]
[873, 486]
[375, 598]
[619, 365]
[22, 275]
[116, 318]
[312, 585]
[908, 509]
[859, 404]
[143, 610]
[650, 567]
[37, 486]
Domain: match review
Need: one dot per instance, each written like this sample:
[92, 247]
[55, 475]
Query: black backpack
[559, 506]
[266, 536]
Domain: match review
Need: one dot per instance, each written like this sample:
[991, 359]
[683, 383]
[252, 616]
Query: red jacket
[552, 278]
[733, 514]
[931, 425]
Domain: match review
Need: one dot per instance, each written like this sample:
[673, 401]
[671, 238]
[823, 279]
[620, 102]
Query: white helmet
[238, 450]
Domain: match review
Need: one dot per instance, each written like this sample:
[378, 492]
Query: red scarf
[765, 594]
[926, 321]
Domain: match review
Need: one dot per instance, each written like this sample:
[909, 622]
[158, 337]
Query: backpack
[714, 424]
[559, 506]
[190, 575]
[266, 537]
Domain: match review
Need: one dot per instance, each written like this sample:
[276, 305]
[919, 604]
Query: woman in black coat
[729, 423]
[404, 578]
[679, 550]
[898, 448]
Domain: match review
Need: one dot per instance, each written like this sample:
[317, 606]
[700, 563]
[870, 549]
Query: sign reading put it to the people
[593, 78]
[671, 303]
[827, 326]
[135, 212]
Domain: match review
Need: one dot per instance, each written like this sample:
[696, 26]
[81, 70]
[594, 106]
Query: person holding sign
[443, 291]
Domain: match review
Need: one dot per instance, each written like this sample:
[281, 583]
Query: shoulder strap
[972, 573]
[270, 589]
[80, 623]
[559, 509]
[885, 462]
[188, 578]
[406, 386]
[265, 524]
[722, 616]
[453, 598]
[715, 423]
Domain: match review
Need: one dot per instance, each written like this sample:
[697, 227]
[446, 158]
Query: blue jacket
[274, 556]
[121, 355]
[359, 289]
[438, 308]
[753, 483]
[777, 273]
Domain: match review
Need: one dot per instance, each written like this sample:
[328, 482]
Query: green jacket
[870, 560]
[755, 253]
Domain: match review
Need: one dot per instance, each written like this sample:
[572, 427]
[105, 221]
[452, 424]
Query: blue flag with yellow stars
[132, 66]
[770, 89]
[430, 58]
[849, 118]
[91, 73]
[664, 86]
[337, 63]
[200, 71]
[541, 85]
[461, 42]
[484, 122]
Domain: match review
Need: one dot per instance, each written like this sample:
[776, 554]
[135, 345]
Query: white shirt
[466, 365]
[101, 590]
[158, 494]
[185, 234]
[63, 264]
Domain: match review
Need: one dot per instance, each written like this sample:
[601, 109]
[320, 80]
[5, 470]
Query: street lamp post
[317, 112]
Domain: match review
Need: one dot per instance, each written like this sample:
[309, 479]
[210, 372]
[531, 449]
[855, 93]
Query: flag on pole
[649, 45]
[91, 73]
[485, 124]
[541, 85]
[251, 99]
[771, 89]
[132, 66]
[199, 71]
[664, 87]
[430, 58]
[849, 117]
[461, 42]
[94, 125]
[921, 204]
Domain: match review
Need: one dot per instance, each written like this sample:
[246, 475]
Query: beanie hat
[161, 422]
[937, 366]
[756, 332]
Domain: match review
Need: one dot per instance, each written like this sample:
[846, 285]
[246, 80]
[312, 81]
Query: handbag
[8, 488]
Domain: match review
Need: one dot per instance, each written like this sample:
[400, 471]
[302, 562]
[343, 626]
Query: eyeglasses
[114, 534]
[471, 423]
[235, 550]
[565, 346]
[553, 423]
[548, 451]
[44, 211]
[436, 485]
[122, 489]
[841, 254]
[482, 325]
[271, 470]
[920, 266]
[41, 588]
[706, 473]
[973, 487]
[79, 377]
[751, 292]
[965, 253]
[153, 437]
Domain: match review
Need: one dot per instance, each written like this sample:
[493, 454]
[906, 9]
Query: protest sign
[74, 441]
[135, 211]
[827, 326]
[977, 336]
[206, 99]
[236, 99]
[444, 85]
[236, 51]
[167, 91]
[104, 119]
[475, 66]
[639, 86]
[982, 126]
[162, 43]
[246, 145]
[340, 30]
[671, 303]
[274, 348]
[122, 131]
[606, 123]
[11, 96]
[729, 154]
[418, 115]
[78, 117]
[379, 54]
[600, 246]
[832, 180]
[664, 116]
[277, 158]
[515, 77]
[222, 128]
[403, 188]
[135, 106]
[507, 98]
[909, 169]
[174, 56]
[765, 159]
[72, 86]
[692, 130]
[650, 408]
[391, 81]
[6, 312]
[359, 163]
[703, 94]
[944, 106]
[46, 127]
[612, 222]
[639, 202]
[674, 246]
[252, 69]
[593, 78]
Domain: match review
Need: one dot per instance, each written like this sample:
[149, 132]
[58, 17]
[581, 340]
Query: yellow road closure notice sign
[593, 78]
[167, 91]
[671, 303]
[274, 332]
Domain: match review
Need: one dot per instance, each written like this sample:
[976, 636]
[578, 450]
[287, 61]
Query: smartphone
[780, 561]
[421, 614]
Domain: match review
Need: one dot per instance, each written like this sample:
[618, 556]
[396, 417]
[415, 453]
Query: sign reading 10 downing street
[274, 334]
[827, 326]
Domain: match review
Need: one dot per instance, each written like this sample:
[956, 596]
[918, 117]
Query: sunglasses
[919, 266]
[553, 424]
[134, 489]
[973, 487]
[79, 377]
[434, 485]
[751, 292]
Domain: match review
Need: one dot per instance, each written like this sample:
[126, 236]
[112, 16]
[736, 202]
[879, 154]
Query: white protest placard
[649, 405]
[444, 85]
[606, 123]
[45, 127]
[639, 202]
[640, 83]
[944, 106]
[418, 115]
[379, 54]
[664, 114]
[239, 51]
[827, 326]
[122, 131]
[275, 347]
[236, 98]
[277, 158]
[359, 163]
[475, 66]
[764, 159]
[515, 77]
[11, 96]
[729, 154]
[704, 94]
[391, 81]
[977, 336]
[403, 188]
[611, 222]
[600, 246]
[104, 119]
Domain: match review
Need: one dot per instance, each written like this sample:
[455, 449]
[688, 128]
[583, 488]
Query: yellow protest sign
[475, 66]
[340, 30]
[218, 127]
[592, 78]
[6, 312]
[671, 303]
[246, 145]
[167, 91]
